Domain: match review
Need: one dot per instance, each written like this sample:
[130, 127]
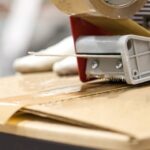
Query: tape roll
[74, 7]
[117, 8]
[108, 8]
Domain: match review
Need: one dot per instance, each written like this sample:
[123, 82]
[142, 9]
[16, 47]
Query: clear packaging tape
[11, 105]
[108, 8]
[32, 89]
[118, 26]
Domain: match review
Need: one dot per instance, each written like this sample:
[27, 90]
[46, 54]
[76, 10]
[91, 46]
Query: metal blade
[74, 55]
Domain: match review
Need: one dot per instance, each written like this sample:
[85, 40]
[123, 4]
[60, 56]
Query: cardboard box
[98, 115]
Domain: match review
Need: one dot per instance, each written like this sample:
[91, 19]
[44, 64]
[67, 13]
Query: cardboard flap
[116, 107]
[53, 131]
[122, 109]
[18, 91]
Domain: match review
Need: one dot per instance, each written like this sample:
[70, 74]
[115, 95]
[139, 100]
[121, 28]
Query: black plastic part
[12, 142]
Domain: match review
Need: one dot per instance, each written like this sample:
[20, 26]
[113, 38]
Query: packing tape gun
[104, 33]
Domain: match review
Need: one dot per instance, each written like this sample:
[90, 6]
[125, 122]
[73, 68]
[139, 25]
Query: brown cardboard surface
[126, 111]
[50, 130]
[115, 108]
[17, 92]
[66, 90]
[23, 90]
[31, 83]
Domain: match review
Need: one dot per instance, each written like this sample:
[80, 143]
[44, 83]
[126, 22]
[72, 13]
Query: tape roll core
[119, 3]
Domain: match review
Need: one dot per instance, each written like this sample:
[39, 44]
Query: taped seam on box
[9, 106]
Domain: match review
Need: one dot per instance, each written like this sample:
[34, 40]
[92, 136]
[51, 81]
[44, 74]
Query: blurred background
[28, 25]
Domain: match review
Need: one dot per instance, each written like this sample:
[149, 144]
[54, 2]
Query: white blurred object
[60, 65]
[52, 27]
[18, 31]
[20, 25]
[29, 24]
[67, 66]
